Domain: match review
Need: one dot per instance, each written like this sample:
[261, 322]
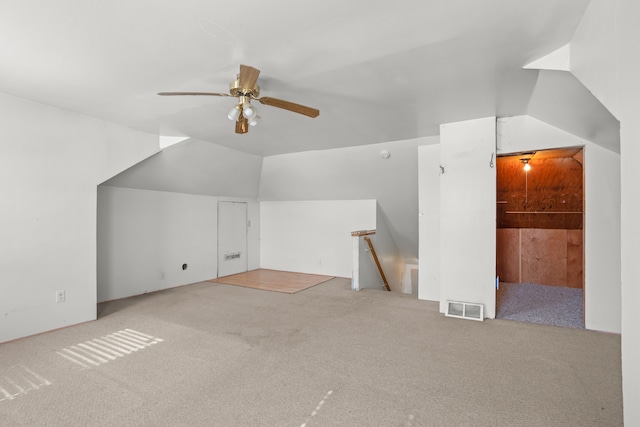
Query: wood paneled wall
[549, 196]
[544, 256]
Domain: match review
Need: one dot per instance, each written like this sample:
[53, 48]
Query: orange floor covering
[273, 280]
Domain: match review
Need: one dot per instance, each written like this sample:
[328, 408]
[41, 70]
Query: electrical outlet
[60, 296]
[161, 276]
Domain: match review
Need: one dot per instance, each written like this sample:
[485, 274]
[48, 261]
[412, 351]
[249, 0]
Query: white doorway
[232, 238]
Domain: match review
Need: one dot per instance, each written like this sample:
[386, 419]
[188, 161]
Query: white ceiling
[377, 70]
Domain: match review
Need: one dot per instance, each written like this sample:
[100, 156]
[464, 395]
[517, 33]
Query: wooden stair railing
[375, 258]
[362, 233]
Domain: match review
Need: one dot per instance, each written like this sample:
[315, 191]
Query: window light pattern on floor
[102, 350]
[20, 380]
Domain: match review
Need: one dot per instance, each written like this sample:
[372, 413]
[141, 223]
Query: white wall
[50, 165]
[628, 91]
[429, 202]
[365, 274]
[602, 245]
[561, 100]
[145, 236]
[593, 52]
[365, 270]
[605, 59]
[196, 167]
[468, 213]
[354, 173]
[388, 254]
[410, 279]
[312, 236]
[602, 218]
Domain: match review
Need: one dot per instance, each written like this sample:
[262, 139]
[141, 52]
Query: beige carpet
[273, 280]
[214, 355]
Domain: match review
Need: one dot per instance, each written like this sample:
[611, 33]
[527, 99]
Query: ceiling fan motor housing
[236, 90]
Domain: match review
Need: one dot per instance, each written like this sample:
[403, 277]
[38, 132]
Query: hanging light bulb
[248, 110]
[527, 166]
[234, 113]
[253, 120]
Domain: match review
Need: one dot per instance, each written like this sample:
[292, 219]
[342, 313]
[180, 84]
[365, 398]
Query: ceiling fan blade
[192, 93]
[242, 125]
[286, 105]
[248, 77]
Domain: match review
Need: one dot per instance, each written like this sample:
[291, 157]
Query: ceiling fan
[245, 88]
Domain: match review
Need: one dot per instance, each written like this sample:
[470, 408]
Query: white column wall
[429, 221]
[602, 246]
[468, 213]
[604, 57]
[628, 90]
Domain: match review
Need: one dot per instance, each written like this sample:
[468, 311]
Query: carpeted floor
[210, 354]
[547, 305]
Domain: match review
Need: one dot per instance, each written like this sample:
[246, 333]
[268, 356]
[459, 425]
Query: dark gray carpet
[547, 305]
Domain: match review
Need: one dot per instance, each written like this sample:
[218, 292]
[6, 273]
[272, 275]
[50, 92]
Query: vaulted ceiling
[377, 70]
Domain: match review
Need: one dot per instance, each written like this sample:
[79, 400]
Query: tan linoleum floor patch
[273, 280]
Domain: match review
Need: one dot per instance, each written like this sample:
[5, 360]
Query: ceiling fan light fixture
[254, 120]
[234, 113]
[248, 110]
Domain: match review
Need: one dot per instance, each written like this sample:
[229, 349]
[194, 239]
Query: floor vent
[465, 310]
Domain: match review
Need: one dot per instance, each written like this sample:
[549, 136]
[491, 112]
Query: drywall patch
[20, 380]
[102, 350]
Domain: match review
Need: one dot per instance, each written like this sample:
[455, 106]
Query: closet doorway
[540, 237]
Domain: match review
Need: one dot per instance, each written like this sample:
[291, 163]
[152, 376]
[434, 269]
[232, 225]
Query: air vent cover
[465, 310]
[229, 257]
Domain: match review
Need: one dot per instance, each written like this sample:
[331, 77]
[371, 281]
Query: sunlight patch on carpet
[18, 381]
[102, 350]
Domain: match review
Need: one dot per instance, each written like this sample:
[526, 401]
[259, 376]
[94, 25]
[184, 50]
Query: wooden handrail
[375, 258]
[362, 233]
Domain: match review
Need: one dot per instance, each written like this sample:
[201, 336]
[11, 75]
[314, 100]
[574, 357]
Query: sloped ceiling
[195, 167]
[377, 70]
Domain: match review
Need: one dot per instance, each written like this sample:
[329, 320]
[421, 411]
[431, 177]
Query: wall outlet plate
[60, 296]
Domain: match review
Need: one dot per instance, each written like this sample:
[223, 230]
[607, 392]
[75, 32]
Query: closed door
[232, 238]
